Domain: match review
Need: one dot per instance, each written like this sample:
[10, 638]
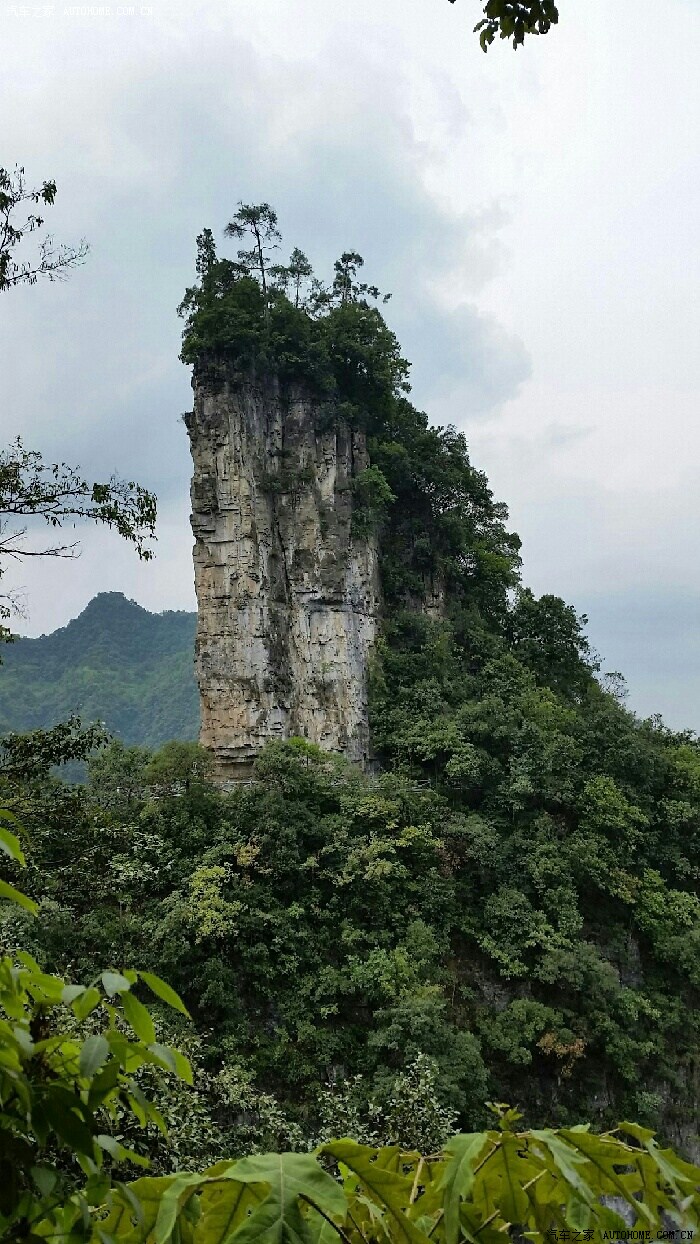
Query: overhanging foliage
[485, 1187]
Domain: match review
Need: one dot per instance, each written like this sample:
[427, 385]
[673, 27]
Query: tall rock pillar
[288, 596]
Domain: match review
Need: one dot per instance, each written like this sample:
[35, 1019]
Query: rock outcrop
[288, 595]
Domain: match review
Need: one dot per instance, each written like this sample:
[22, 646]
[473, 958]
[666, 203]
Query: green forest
[505, 911]
[115, 663]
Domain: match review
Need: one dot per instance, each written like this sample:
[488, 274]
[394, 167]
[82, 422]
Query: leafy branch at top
[31, 489]
[17, 221]
[514, 19]
[57, 494]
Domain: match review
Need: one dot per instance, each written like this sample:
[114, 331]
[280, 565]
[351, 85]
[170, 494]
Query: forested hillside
[357, 908]
[116, 663]
[507, 909]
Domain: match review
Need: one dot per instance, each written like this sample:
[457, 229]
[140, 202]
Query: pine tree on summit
[295, 273]
[259, 220]
[346, 287]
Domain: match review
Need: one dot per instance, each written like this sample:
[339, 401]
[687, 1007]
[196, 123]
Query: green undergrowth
[511, 912]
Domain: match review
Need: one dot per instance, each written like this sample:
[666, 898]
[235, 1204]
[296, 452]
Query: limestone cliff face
[288, 599]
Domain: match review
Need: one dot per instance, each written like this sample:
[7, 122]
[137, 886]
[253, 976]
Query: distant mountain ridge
[115, 663]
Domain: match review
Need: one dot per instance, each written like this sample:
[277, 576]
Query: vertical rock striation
[288, 599]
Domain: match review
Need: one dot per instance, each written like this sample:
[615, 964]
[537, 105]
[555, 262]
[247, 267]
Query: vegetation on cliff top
[442, 527]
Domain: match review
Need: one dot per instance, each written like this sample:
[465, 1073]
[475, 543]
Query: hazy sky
[534, 213]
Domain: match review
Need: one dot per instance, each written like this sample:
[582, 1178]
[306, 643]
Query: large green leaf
[225, 1204]
[9, 843]
[115, 982]
[462, 1153]
[16, 896]
[568, 1163]
[172, 1201]
[134, 1209]
[274, 1222]
[513, 1166]
[259, 1198]
[85, 1002]
[294, 1175]
[389, 1189]
[604, 1154]
[671, 1170]
[171, 1059]
[139, 1018]
[164, 992]
[94, 1053]
[68, 1117]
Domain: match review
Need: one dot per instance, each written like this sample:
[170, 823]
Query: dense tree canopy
[510, 910]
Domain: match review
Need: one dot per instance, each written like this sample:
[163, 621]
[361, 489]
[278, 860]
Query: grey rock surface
[288, 597]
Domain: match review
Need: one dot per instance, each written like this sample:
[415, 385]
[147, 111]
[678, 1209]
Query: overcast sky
[534, 213]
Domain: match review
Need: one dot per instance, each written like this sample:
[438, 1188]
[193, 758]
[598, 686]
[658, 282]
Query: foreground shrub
[484, 1186]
